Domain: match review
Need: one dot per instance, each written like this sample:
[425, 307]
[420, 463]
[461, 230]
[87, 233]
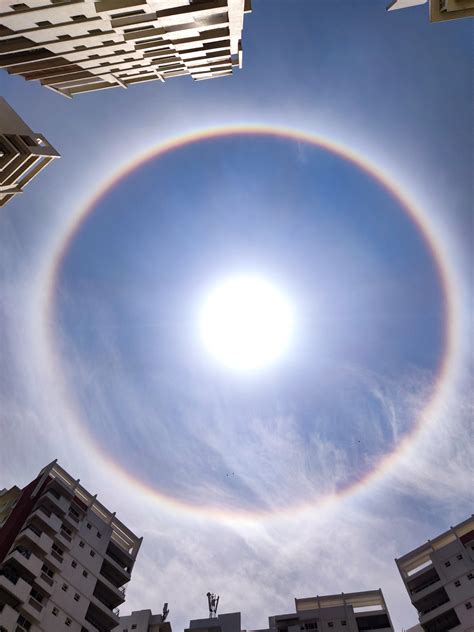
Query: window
[55, 611]
[64, 587]
[343, 622]
[36, 595]
[457, 583]
[91, 553]
[81, 544]
[447, 564]
[470, 575]
[47, 571]
[330, 624]
[88, 525]
[85, 573]
[99, 534]
[66, 529]
[459, 557]
[76, 597]
[23, 622]
[68, 621]
[468, 605]
[134, 626]
[58, 549]
[74, 563]
[74, 512]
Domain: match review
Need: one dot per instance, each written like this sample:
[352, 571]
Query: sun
[246, 323]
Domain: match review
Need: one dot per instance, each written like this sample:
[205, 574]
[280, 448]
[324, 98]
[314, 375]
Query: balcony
[118, 592]
[45, 583]
[121, 560]
[60, 502]
[423, 584]
[14, 585]
[443, 622]
[100, 616]
[50, 521]
[36, 537]
[32, 609]
[433, 600]
[108, 593]
[114, 572]
[25, 559]
[374, 623]
[64, 539]
[55, 560]
[8, 617]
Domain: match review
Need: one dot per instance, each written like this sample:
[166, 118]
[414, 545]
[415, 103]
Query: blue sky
[368, 300]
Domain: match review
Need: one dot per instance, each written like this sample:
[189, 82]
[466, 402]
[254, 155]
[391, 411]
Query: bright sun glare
[246, 323]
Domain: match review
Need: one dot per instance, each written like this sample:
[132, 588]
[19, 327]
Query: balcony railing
[47, 579]
[26, 553]
[420, 588]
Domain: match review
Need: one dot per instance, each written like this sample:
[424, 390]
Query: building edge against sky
[64, 557]
[439, 578]
[83, 46]
[23, 153]
[440, 10]
[65, 560]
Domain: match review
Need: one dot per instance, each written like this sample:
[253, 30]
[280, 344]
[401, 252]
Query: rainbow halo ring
[418, 217]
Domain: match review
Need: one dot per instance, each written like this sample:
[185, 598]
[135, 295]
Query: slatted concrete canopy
[75, 46]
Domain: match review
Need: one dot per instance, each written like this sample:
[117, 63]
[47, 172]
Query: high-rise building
[439, 577]
[74, 46]
[440, 10]
[23, 153]
[143, 621]
[347, 612]
[64, 557]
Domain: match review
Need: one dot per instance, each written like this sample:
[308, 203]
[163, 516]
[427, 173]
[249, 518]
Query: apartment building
[75, 46]
[64, 558]
[440, 10]
[143, 621]
[347, 612]
[439, 578]
[230, 622]
[23, 154]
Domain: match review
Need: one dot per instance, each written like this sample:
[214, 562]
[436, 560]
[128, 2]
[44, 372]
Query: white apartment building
[64, 557]
[143, 621]
[440, 10]
[439, 578]
[347, 612]
[75, 46]
[23, 154]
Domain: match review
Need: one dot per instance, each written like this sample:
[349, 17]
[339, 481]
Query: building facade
[143, 621]
[64, 557]
[75, 46]
[439, 578]
[440, 10]
[23, 154]
[347, 612]
[230, 622]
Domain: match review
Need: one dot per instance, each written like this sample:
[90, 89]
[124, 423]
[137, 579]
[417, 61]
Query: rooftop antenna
[166, 612]
[213, 601]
